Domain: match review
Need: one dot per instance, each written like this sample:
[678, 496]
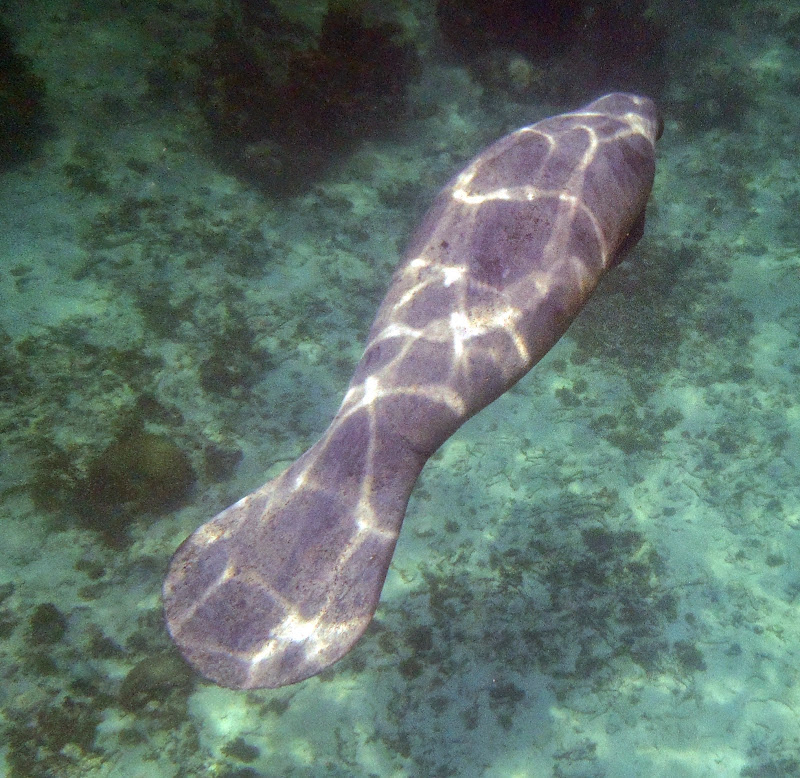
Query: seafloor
[599, 575]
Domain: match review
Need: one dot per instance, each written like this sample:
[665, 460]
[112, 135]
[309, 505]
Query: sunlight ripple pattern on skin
[281, 584]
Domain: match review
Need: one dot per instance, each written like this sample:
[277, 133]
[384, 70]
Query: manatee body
[281, 584]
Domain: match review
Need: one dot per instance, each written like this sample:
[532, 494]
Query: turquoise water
[598, 574]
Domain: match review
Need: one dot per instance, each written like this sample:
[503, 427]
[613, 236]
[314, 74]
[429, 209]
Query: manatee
[281, 584]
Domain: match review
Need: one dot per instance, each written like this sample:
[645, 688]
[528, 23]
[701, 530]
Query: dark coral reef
[564, 50]
[282, 103]
[22, 115]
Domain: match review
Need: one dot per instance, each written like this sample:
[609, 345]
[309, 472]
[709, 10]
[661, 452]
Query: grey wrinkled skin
[281, 584]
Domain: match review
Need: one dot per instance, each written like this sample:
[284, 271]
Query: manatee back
[284, 582]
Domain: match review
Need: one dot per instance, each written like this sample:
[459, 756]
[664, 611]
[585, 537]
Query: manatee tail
[282, 583]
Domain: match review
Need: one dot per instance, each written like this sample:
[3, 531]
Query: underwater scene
[203, 205]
